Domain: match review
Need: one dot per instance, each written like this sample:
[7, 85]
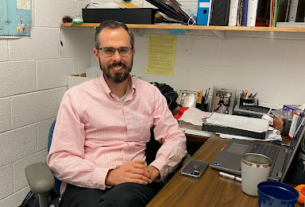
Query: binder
[203, 12]
[282, 11]
[245, 13]
[293, 10]
[220, 13]
[233, 13]
[252, 11]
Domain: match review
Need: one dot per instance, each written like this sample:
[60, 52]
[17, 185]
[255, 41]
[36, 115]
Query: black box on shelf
[127, 16]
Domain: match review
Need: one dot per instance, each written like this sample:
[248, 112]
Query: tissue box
[291, 107]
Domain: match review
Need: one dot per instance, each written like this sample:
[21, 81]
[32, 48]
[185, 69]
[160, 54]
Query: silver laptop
[228, 160]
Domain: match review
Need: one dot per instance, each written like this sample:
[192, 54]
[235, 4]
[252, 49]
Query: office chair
[42, 181]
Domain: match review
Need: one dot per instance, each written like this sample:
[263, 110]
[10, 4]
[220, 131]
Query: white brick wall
[33, 77]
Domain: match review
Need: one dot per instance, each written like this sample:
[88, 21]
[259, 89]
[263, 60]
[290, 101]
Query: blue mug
[276, 194]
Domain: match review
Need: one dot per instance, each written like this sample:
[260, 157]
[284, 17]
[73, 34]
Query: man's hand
[153, 172]
[134, 172]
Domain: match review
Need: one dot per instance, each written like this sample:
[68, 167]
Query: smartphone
[194, 168]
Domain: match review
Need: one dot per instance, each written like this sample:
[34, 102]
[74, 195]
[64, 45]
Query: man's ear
[95, 52]
[133, 51]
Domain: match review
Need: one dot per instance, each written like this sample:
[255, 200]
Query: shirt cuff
[98, 178]
[161, 165]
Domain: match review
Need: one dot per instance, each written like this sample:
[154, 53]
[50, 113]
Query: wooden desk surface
[210, 190]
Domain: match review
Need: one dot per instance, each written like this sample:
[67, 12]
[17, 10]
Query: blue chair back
[56, 187]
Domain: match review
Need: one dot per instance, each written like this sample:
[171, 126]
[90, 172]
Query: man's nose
[116, 56]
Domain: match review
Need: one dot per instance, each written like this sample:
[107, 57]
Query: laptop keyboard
[268, 150]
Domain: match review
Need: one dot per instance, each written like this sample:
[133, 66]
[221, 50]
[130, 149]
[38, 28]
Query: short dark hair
[112, 24]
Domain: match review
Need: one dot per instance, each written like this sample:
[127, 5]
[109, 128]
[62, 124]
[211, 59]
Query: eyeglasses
[110, 51]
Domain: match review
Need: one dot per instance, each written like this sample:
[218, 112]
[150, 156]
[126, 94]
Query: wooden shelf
[195, 27]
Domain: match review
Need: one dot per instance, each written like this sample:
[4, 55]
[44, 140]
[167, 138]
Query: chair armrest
[40, 177]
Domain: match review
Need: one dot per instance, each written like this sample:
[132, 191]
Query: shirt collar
[106, 88]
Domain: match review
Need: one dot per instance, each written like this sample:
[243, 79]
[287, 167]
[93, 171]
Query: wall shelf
[212, 28]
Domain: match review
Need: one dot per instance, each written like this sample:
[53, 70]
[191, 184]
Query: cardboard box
[74, 80]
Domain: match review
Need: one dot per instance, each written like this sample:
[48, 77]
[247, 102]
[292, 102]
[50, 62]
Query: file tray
[233, 131]
[127, 16]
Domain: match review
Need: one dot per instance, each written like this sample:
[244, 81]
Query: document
[194, 116]
[238, 122]
[161, 55]
[191, 122]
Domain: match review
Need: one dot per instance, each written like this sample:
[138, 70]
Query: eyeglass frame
[115, 49]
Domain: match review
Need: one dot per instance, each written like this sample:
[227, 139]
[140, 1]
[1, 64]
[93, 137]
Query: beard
[116, 77]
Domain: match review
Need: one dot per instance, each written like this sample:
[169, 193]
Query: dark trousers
[123, 195]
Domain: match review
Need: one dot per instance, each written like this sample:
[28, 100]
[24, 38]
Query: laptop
[228, 160]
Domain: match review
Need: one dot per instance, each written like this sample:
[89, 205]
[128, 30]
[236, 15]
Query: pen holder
[202, 106]
[248, 102]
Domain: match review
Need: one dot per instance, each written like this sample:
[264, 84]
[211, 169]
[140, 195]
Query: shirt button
[97, 185]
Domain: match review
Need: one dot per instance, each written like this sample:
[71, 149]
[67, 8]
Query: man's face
[116, 67]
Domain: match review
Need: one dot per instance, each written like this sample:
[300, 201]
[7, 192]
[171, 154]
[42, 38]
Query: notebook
[228, 160]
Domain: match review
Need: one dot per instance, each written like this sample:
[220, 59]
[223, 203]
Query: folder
[203, 12]
[220, 13]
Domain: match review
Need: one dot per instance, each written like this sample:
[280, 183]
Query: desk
[208, 191]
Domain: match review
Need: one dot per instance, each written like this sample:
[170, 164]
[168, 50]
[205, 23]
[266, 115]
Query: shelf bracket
[220, 34]
[139, 31]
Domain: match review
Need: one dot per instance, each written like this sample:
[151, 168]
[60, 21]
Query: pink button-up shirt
[96, 131]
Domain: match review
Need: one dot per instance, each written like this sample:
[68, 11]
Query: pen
[226, 175]
[280, 143]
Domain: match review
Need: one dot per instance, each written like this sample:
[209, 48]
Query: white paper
[238, 122]
[194, 116]
[197, 132]
[270, 136]
[24, 4]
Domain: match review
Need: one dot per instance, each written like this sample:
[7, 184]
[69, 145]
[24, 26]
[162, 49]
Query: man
[102, 128]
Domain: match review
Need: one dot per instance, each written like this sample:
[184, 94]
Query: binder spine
[245, 14]
[252, 10]
[233, 13]
[293, 10]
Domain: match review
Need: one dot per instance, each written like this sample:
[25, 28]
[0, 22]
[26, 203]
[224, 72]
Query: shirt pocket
[141, 131]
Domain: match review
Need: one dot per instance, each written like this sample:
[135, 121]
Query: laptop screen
[295, 142]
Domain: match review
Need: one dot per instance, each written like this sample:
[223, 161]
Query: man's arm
[66, 156]
[167, 132]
